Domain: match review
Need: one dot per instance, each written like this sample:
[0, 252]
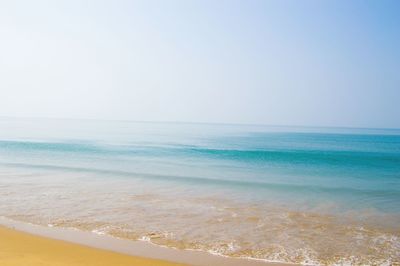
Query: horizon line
[198, 122]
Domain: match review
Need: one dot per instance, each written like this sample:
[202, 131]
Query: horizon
[198, 123]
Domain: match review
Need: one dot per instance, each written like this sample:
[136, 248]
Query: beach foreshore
[20, 248]
[29, 244]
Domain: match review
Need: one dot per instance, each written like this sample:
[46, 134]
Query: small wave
[222, 182]
[287, 156]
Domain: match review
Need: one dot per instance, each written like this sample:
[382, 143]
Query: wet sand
[28, 244]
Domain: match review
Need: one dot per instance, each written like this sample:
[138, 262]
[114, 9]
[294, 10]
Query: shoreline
[21, 248]
[143, 252]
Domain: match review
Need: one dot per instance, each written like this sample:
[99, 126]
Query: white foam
[98, 232]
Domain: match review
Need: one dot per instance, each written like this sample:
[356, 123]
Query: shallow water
[307, 195]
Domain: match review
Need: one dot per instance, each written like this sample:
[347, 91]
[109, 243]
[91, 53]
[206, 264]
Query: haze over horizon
[313, 63]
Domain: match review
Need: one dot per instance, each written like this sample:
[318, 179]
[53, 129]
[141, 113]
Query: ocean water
[327, 196]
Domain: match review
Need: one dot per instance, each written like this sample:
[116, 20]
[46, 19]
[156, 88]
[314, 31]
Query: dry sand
[19, 248]
[28, 244]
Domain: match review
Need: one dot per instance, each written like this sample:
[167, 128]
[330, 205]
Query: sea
[308, 195]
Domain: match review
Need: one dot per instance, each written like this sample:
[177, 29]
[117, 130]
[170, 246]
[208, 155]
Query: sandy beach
[20, 248]
[28, 244]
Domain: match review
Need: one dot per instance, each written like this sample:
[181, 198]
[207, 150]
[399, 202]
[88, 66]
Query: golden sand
[18, 248]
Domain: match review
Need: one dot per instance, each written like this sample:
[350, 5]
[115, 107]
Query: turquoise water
[337, 178]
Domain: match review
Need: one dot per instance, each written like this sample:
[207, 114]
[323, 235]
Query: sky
[313, 63]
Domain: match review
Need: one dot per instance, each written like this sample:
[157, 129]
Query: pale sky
[320, 63]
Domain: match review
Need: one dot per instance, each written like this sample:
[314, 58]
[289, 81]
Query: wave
[366, 159]
[388, 194]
